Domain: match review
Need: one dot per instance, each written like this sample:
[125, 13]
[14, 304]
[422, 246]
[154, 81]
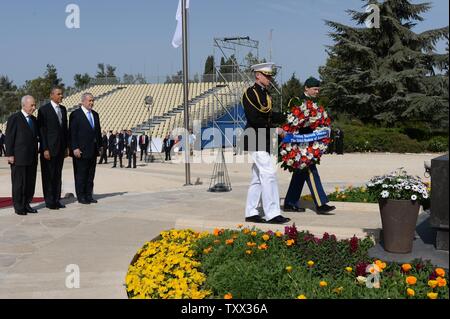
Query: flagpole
[186, 94]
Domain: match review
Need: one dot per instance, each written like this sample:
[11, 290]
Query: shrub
[438, 144]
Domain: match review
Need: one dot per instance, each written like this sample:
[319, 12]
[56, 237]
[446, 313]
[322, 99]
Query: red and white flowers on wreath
[304, 114]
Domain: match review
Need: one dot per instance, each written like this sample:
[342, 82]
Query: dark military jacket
[260, 119]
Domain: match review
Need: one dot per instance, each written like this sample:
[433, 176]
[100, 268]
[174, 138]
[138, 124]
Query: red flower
[286, 127]
[309, 104]
[354, 243]
[361, 269]
[296, 112]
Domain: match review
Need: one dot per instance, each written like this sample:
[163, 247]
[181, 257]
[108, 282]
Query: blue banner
[306, 138]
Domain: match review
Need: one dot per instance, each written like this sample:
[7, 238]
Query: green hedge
[359, 138]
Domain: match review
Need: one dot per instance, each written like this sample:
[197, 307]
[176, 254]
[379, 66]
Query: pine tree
[390, 74]
[209, 73]
[292, 88]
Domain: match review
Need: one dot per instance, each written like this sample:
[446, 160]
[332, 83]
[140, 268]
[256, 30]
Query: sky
[135, 35]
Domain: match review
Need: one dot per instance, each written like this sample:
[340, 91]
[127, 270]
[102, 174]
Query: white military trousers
[263, 187]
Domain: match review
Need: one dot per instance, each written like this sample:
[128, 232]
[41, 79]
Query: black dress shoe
[18, 212]
[30, 210]
[83, 201]
[92, 201]
[325, 210]
[255, 219]
[51, 206]
[60, 205]
[278, 220]
[290, 208]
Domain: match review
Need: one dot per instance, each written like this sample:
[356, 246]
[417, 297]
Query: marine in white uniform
[260, 117]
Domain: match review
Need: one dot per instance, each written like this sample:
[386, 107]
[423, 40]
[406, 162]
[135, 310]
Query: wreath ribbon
[307, 138]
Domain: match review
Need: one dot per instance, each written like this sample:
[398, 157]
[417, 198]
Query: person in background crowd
[2, 144]
[118, 149]
[131, 149]
[143, 144]
[168, 143]
[103, 155]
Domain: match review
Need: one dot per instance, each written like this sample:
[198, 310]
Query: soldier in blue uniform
[310, 174]
[261, 120]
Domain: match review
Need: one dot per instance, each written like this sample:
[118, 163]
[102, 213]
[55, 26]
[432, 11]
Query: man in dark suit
[22, 152]
[168, 143]
[111, 138]
[143, 144]
[131, 148]
[53, 134]
[85, 143]
[103, 155]
[118, 149]
[2, 144]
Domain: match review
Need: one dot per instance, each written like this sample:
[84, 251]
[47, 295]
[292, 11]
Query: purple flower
[361, 269]
[291, 232]
[326, 236]
[354, 243]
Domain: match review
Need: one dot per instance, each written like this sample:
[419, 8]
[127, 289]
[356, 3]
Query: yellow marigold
[411, 280]
[217, 241]
[279, 234]
[249, 252]
[301, 297]
[406, 267]
[228, 296]
[432, 283]
[440, 272]
[380, 264]
[410, 292]
[289, 268]
[290, 242]
[229, 241]
[265, 237]
[263, 247]
[441, 282]
[348, 269]
[246, 231]
[323, 284]
[310, 263]
[338, 290]
[240, 226]
[253, 233]
[207, 250]
[432, 295]
[250, 244]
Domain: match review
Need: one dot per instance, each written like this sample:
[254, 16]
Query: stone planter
[399, 219]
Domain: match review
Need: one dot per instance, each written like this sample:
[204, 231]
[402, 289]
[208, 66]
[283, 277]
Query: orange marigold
[411, 280]
[406, 267]
[440, 272]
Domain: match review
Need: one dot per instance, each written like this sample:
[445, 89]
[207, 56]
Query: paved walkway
[135, 205]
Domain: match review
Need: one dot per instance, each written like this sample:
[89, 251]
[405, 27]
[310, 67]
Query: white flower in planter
[385, 194]
[407, 187]
[425, 195]
[414, 197]
[384, 186]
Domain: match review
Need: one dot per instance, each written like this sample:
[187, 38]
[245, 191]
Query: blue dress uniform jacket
[257, 104]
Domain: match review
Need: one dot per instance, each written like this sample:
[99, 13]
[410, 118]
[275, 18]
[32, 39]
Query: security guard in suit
[260, 120]
[309, 175]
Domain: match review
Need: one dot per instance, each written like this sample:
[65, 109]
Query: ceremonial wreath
[297, 150]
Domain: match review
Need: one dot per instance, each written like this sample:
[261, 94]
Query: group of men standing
[53, 137]
[115, 145]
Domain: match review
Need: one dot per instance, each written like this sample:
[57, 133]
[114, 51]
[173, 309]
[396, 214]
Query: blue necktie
[30, 122]
[91, 120]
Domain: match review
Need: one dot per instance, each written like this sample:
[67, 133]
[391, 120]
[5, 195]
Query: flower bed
[252, 264]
